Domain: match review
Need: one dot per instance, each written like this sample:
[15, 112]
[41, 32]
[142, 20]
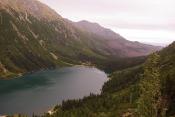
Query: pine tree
[150, 88]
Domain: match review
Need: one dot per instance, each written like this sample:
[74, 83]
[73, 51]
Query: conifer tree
[150, 88]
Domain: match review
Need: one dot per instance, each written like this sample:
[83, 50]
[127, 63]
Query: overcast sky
[150, 21]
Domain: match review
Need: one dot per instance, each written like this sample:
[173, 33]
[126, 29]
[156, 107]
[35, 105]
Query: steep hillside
[115, 42]
[157, 97]
[34, 37]
[167, 68]
[33, 7]
[25, 40]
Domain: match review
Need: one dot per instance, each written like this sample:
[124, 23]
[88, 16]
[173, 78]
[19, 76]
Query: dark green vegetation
[142, 91]
[34, 37]
[167, 70]
[118, 96]
[157, 87]
[149, 103]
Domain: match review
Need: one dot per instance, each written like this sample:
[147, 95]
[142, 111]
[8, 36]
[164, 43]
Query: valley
[41, 40]
[51, 66]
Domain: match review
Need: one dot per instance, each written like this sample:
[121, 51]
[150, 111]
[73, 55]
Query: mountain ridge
[33, 7]
[34, 36]
[116, 41]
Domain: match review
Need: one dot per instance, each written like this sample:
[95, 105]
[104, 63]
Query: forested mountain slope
[34, 37]
[143, 91]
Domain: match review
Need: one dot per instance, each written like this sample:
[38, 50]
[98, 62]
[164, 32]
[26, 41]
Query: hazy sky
[150, 21]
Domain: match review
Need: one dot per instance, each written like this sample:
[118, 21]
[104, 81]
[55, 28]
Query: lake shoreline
[88, 71]
[17, 75]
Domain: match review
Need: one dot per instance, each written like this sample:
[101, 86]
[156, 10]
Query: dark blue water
[41, 91]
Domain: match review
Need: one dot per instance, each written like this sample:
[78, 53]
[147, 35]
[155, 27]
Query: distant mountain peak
[88, 22]
[116, 41]
[98, 30]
